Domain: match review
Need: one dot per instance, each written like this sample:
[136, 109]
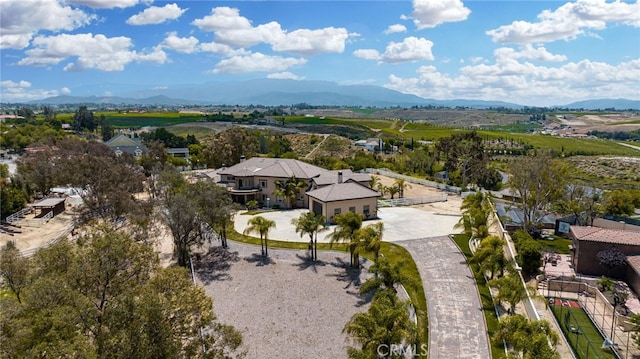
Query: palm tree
[289, 190]
[531, 338]
[311, 224]
[490, 256]
[386, 276]
[476, 213]
[401, 184]
[370, 238]
[392, 190]
[384, 325]
[374, 181]
[510, 289]
[261, 226]
[347, 224]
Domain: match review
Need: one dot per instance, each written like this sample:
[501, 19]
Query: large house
[322, 191]
[124, 144]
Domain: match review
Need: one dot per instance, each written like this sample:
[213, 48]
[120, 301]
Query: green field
[583, 336]
[156, 119]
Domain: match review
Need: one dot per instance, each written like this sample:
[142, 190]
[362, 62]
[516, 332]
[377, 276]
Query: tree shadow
[306, 262]
[215, 264]
[259, 260]
[351, 276]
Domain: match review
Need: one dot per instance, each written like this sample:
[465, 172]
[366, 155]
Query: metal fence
[56, 239]
[412, 201]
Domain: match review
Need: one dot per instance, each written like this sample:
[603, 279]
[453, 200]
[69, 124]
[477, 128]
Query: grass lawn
[462, 240]
[558, 244]
[587, 344]
[394, 253]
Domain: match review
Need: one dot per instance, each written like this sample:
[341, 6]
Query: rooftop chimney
[339, 176]
[242, 158]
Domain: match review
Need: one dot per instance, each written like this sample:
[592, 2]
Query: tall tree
[510, 289]
[262, 226]
[182, 218]
[310, 224]
[83, 120]
[347, 225]
[539, 181]
[402, 185]
[105, 296]
[216, 208]
[464, 152]
[386, 277]
[14, 269]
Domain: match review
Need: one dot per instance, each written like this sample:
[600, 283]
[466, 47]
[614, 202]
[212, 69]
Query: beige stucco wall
[609, 224]
[328, 209]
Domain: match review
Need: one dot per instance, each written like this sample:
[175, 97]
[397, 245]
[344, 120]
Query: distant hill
[275, 92]
[115, 100]
[601, 104]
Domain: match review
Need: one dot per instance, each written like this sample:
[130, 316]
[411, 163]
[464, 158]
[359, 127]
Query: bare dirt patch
[286, 306]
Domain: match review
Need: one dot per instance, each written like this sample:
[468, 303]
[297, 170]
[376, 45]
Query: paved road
[456, 323]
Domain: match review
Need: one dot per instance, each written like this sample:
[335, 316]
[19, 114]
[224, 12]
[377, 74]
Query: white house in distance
[324, 192]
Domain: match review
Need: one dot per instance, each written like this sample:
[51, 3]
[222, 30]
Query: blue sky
[537, 53]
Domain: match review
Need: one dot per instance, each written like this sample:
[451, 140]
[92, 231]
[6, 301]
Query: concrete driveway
[400, 223]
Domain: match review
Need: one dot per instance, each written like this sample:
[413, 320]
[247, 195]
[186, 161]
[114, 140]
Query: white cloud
[367, 54]
[156, 15]
[65, 91]
[395, 28]
[527, 52]
[232, 29]
[568, 21]
[20, 20]
[256, 62]
[431, 13]
[223, 49]
[13, 84]
[312, 42]
[186, 45]
[284, 76]
[410, 49]
[91, 52]
[21, 91]
[108, 4]
[525, 83]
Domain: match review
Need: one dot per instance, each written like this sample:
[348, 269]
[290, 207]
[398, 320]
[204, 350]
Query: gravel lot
[286, 306]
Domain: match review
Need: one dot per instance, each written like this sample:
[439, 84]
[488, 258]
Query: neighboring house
[371, 144]
[257, 178]
[342, 197]
[124, 144]
[182, 152]
[587, 242]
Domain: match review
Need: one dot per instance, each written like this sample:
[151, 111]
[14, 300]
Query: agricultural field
[154, 119]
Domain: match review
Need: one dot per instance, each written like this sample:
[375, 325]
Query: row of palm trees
[398, 187]
[529, 339]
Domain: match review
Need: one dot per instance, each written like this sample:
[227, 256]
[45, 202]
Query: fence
[412, 201]
[19, 215]
[613, 326]
[56, 239]
[387, 172]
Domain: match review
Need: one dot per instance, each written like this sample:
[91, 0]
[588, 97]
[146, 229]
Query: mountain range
[273, 92]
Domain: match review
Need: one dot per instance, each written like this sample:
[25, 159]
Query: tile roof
[634, 262]
[342, 191]
[331, 177]
[596, 234]
[273, 167]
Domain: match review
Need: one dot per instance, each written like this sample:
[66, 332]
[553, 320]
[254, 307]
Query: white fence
[56, 239]
[396, 202]
[389, 173]
[19, 215]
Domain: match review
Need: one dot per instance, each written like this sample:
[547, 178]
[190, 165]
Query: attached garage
[342, 197]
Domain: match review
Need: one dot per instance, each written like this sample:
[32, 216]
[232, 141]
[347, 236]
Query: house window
[352, 209]
[365, 210]
[337, 211]
[263, 183]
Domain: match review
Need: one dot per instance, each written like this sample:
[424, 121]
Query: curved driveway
[457, 326]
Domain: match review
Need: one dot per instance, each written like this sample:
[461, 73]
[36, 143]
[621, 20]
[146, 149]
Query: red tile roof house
[588, 241]
[323, 192]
